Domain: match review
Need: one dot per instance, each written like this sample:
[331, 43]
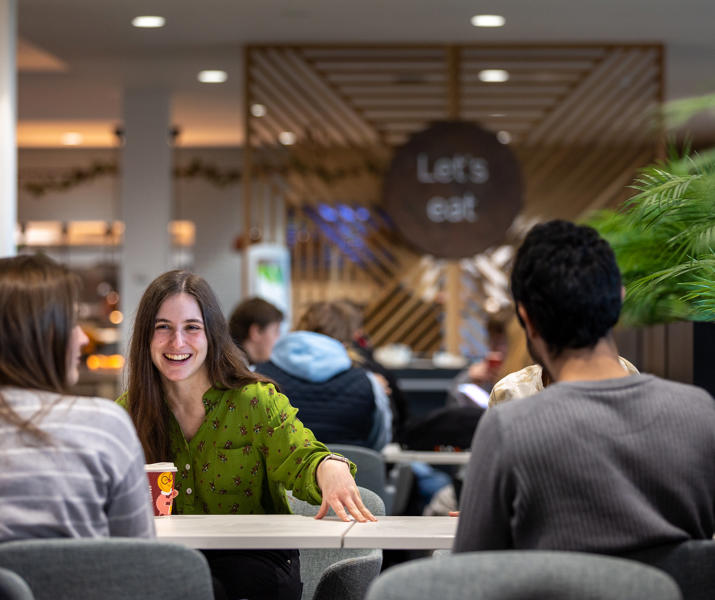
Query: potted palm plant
[664, 241]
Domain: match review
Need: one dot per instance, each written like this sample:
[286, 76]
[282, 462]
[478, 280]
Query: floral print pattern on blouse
[249, 449]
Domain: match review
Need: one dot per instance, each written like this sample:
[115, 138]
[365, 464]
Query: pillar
[146, 196]
[8, 121]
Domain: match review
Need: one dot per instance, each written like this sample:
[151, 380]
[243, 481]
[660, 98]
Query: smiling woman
[178, 347]
[235, 439]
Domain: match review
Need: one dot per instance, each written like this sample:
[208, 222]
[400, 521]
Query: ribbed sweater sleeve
[487, 492]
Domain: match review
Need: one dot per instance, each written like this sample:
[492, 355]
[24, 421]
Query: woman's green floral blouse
[250, 448]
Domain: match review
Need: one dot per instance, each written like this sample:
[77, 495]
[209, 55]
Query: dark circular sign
[453, 189]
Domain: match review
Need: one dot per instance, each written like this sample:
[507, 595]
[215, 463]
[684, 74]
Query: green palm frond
[701, 291]
[664, 241]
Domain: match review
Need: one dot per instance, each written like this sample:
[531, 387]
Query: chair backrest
[343, 573]
[13, 587]
[691, 564]
[348, 579]
[523, 575]
[370, 469]
[108, 569]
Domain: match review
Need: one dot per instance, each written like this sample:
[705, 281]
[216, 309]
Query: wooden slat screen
[578, 117]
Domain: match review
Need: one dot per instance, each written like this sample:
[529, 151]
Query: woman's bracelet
[337, 457]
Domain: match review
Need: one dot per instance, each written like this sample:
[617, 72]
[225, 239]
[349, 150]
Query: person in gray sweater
[602, 460]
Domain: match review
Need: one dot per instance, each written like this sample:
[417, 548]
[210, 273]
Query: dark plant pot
[704, 355]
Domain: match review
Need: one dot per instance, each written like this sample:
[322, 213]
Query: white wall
[217, 214]
[216, 211]
[94, 200]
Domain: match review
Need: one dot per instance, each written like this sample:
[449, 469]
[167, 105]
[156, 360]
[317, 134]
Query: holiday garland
[199, 169]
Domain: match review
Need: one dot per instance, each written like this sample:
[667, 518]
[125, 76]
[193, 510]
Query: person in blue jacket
[341, 402]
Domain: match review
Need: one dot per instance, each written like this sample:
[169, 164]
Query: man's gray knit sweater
[604, 466]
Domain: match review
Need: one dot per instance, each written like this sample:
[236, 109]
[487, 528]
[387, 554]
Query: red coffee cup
[161, 485]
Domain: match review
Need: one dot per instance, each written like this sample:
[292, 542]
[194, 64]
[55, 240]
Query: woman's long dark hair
[224, 362]
[38, 304]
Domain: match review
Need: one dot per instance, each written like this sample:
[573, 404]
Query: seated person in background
[255, 326]
[361, 352]
[472, 385]
[235, 439]
[601, 460]
[340, 402]
[71, 466]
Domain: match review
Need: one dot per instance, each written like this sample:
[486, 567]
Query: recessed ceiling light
[497, 115]
[488, 21]
[504, 136]
[212, 76]
[258, 110]
[148, 21]
[287, 138]
[493, 75]
[72, 138]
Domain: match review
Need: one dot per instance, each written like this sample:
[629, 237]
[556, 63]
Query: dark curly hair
[567, 279]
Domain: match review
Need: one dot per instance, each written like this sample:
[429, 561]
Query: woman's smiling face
[179, 344]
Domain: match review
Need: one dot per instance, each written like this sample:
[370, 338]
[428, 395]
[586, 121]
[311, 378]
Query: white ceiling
[76, 56]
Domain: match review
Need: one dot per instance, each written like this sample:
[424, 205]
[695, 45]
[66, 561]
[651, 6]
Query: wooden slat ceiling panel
[472, 80]
[379, 66]
[569, 109]
[398, 90]
[405, 114]
[338, 54]
[294, 79]
[406, 100]
[514, 127]
[511, 89]
[525, 52]
[299, 112]
[472, 66]
[578, 116]
[401, 78]
[525, 114]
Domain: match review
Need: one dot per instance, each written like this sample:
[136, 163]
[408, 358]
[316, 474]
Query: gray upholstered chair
[691, 564]
[13, 587]
[108, 569]
[370, 470]
[523, 575]
[338, 574]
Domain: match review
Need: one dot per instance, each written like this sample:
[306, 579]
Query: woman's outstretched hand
[340, 492]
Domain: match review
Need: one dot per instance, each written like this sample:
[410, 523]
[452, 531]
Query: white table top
[392, 453]
[251, 531]
[298, 531]
[403, 533]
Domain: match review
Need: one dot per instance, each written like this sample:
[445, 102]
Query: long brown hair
[38, 299]
[225, 365]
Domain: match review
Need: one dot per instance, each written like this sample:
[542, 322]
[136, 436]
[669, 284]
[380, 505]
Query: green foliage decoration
[664, 241]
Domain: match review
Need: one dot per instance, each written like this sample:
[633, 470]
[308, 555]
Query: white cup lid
[161, 467]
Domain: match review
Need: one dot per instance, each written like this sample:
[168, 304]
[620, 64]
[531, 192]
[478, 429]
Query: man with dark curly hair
[601, 460]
